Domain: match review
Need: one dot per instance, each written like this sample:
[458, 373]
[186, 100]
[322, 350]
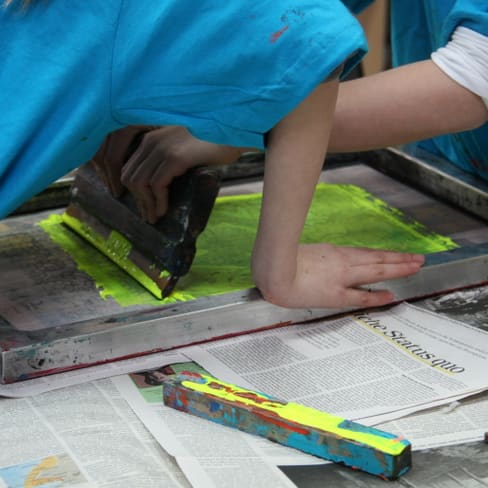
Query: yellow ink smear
[118, 247]
[340, 214]
[110, 279]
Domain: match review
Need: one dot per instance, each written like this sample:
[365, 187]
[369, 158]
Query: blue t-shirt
[420, 27]
[73, 71]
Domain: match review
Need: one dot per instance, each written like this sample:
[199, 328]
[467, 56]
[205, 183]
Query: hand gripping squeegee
[155, 255]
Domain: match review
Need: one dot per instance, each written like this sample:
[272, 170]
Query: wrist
[273, 276]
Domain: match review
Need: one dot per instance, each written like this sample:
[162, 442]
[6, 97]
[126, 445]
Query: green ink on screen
[340, 214]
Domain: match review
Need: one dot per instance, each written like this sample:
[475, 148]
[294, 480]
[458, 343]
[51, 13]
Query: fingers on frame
[374, 273]
[363, 255]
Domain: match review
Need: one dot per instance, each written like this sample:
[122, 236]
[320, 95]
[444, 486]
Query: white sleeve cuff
[465, 60]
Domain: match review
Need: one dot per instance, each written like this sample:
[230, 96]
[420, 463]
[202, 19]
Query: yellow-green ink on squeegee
[118, 248]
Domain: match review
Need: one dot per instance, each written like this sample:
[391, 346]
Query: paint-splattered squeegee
[290, 424]
[155, 255]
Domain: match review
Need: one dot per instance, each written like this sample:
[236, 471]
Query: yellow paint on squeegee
[294, 412]
[165, 274]
[116, 247]
[111, 280]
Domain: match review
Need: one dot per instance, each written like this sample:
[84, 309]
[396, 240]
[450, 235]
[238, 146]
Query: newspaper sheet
[200, 445]
[291, 352]
[87, 435]
[210, 455]
[359, 366]
[81, 436]
[460, 422]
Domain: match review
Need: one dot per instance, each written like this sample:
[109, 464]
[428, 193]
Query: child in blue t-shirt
[437, 92]
[230, 73]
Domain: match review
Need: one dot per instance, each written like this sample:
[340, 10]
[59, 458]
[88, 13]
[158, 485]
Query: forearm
[294, 158]
[320, 275]
[402, 105]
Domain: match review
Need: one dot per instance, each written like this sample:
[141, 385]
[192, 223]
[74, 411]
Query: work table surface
[464, 465]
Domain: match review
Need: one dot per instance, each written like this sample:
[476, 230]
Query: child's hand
[114, 152]
[317, 275]
[328, 276]
[146, 159]
[162, 155]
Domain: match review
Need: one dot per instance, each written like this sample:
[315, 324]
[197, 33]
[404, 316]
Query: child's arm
[288, 274]
[320, 275]
[402, 105]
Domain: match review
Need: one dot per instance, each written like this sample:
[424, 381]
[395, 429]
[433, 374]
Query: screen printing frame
[28, 354]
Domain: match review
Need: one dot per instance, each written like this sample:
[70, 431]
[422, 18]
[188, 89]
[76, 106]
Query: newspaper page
[469, 306]
[194, 441]
[36, 386]
[81, 436]
[426, 429]
[358, 366]
[210, 455]
[460, 422]
[202, 445]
